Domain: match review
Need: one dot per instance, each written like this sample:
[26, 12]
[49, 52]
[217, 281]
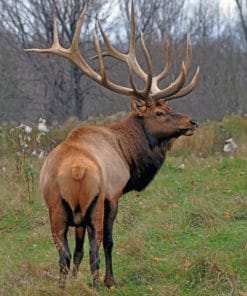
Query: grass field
[186, 234]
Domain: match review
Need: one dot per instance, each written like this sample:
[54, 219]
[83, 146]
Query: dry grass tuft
[135, 245]
[200, 212]
[168, 290]
[33, 280]
[202, 218]
[207, 275]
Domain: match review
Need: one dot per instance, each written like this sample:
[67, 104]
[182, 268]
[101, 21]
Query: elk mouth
[187, 131]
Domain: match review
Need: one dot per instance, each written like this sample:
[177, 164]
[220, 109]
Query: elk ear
[138, 106]
[142, 109]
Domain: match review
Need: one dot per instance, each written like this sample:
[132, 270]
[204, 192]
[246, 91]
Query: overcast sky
[227, 6]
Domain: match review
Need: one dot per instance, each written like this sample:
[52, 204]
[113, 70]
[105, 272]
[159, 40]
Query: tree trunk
[242, 18]
[78, 92]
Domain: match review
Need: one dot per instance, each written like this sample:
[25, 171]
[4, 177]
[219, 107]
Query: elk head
[163, 123]
[149, 103]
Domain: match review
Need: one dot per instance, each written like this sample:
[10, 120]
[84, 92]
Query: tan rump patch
[77, 172]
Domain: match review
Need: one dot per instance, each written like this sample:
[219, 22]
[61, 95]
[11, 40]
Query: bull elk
[83, 177]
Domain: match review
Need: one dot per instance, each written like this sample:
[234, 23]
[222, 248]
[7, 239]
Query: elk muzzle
[188, 127]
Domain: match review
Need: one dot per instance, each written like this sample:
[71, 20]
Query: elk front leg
[95, 235]
[59, 229]
[78, 252]
[109, 217]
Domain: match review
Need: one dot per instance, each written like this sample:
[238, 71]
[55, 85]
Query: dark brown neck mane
[142, 151]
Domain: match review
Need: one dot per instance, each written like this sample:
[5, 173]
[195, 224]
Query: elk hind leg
[59, 229]
[109, 217]
[78, 252]
[95, 235]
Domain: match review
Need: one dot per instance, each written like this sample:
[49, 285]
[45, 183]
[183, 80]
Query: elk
[83, 178]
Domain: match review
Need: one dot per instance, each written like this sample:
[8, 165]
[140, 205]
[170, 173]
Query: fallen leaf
[47, 273]
[192, 183]
[174, 206]
[158, 260]
[193, 200]
[227, 215]
[121, 248]
[29, 210]
[187, 264]
[168, 226]
[16, 210]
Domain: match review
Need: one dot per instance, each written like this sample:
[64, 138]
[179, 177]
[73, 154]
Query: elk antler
[151, 92]
[174, 90]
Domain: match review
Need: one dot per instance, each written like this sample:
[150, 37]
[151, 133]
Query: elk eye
[159, 113]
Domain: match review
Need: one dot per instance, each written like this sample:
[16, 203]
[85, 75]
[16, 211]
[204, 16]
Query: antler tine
[147, 56]
[55, 45]
[55, 33]
[188, 88]
[144, 94]
[141, 93]
[167, 67]
[132, 31]
[100, 58]
[134, 66]
[130, 57]
[173, 87]
[132, 60]
[188, 59]
[76, 37]
[104, 80]
[188, 62]
[103, 75]
[111, 51]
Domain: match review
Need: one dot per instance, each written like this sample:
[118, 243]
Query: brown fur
[83, 178]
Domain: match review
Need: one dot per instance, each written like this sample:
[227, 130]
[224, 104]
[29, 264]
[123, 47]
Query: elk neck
[143, 152]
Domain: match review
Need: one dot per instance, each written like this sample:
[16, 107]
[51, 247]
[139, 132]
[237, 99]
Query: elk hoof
[110, 283]
[96, 284]
[61, 283]
[74, 272]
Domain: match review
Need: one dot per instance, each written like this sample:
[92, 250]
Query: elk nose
[194, 123]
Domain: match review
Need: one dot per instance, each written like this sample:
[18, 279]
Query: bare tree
[218, 52]
[242, 9]
[57, 90]
[31, 24]
[158, 18]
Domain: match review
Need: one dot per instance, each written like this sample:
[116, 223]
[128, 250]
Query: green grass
[184, 235]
